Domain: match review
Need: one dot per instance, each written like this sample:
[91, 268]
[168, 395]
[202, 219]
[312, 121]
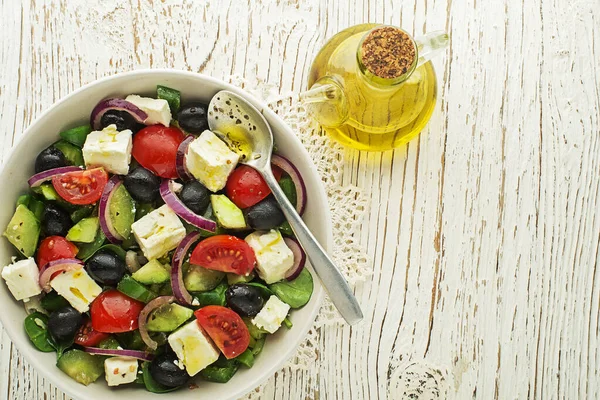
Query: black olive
[192, 117]
[245, 300]
[165, 371]
[195, 196]
[264, 215]
[122, 119]
[56, 221]
[64, 323]
[49, 158]
[142, 185]
[106, 267]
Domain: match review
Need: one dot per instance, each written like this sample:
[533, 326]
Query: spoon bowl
[243, 127]
[246, 130]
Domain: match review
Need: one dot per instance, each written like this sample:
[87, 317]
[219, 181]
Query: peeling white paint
[484, 231]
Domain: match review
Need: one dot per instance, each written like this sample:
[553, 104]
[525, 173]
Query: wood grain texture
[484, 231]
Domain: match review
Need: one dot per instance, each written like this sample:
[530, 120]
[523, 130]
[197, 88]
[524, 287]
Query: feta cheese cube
[210, 160]
[157, 109]
[77, 288]
[110, 149]
[158, 232]
[193, 347]
[120, 370]
[273, 257]
[272, 315]
[22, 278]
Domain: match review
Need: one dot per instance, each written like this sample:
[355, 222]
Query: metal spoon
[232, 116]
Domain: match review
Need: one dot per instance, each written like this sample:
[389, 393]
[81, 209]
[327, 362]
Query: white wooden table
[484, 231]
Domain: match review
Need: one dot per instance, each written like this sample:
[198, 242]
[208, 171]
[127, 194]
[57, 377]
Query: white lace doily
[348, 206]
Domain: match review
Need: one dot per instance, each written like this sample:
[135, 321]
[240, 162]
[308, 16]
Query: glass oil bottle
[372, 86]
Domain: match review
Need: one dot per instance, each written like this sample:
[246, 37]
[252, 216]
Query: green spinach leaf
[36, 326]
[53, 301]
[297, 292]
[264, 290]
[220, 371]
[215, 297]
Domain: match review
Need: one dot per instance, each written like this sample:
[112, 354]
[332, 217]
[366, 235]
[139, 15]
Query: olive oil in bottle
[372, 87]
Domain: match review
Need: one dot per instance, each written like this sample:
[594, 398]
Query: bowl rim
[17, 335]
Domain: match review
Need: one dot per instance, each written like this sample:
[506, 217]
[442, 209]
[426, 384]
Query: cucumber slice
[36, 207]
[86, 250]
[24, 200]
[258, 346]
[168, 317]
[246, 358]
[81, 213]
[228, 214]
[84, 231]
[46, 190]
[122, 211]
[72, 153]
[135, 290]
[232, 279]
[77, 135]
[81, 366]
[151, 273]
[23, 231]
[199, 279]
[172, 96]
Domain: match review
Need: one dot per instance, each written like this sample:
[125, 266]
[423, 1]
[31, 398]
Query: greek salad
[147, 253]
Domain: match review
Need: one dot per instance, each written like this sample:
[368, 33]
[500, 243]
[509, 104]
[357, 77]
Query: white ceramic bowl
[74, 110]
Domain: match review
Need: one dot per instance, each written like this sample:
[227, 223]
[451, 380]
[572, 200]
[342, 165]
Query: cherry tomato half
[54, 248]
[81, 187]
[246, 187]
[224, 253]
[87, 336]
[155, 148]
[113, 312]
[225, 328]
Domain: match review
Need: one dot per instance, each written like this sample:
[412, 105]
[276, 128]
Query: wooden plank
[483, 232]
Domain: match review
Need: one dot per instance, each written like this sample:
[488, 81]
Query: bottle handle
[326, 102]
[430, 45]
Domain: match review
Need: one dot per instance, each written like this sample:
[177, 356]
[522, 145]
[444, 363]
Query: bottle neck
[387, 56]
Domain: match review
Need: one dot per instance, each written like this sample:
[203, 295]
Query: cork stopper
[388, 52]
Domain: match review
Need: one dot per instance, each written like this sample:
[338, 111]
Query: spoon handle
[339, 292]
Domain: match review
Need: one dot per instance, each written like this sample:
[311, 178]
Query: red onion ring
[182, 170]
[172, 200]
[143, 319]
[51, 268]
[181, 293]
[293, 172]
[116, 104]
[103, 210]
[299, 259]
[140, 355]
[41, 177]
